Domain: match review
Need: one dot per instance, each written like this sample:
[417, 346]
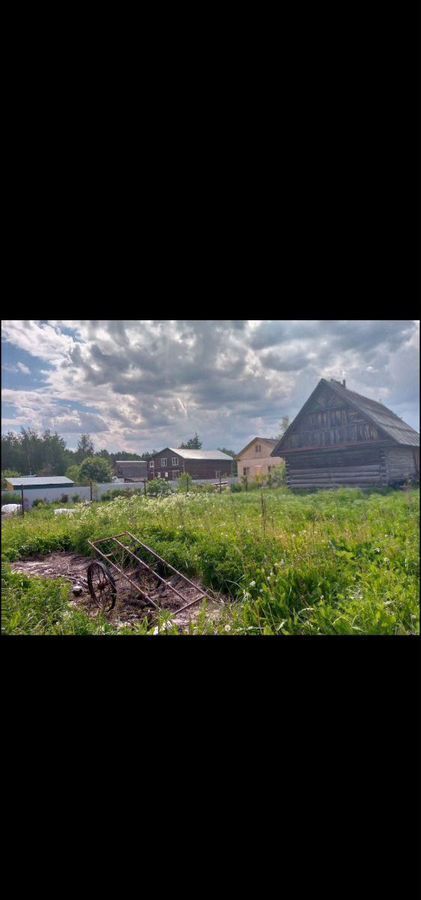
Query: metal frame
[106, 556]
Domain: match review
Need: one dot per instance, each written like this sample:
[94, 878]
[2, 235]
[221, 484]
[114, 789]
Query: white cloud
[147, 383]
[18, 367]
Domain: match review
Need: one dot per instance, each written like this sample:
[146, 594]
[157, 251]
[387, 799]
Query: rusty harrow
[125, 549]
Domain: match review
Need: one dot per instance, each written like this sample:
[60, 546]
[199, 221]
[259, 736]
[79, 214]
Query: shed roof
[196, 454]
[389, 423]
[40, 481]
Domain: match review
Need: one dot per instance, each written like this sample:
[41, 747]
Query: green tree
[85, 448]
[8, 473]
[185, 482]
[193, 443]
[283, 425]
[54, 453]
[12, 456]
[73, 472]
[94, 468]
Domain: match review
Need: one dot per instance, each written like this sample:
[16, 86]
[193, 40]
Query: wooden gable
[327, 421]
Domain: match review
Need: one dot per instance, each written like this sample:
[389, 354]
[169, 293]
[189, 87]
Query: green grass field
[334, 562]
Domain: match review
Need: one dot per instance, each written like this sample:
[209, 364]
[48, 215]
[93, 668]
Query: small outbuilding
[255, 458]
[170, 463]
[340, 438]
[132, 469]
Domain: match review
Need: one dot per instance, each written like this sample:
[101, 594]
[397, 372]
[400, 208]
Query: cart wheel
[102, 586]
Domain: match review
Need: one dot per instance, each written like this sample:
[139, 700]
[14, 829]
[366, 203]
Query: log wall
[400, 463]
[348, 468]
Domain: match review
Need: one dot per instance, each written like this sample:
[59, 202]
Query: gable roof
[196, 454]
[271, 441]
[387, 421]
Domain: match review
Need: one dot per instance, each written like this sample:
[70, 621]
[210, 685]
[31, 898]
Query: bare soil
[129, 607]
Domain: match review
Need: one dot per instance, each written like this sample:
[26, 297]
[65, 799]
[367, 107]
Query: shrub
[64, 498]
[278, 476]
[185, 482]
[75, 498]
[9, 497]
[39, 502]
[236, 487]
[120, 492]
[159, 487]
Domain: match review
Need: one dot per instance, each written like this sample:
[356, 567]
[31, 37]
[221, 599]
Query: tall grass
[334, 562]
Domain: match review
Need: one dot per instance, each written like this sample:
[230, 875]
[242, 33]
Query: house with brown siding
[171, 463]
[340, 438]
[255, 458]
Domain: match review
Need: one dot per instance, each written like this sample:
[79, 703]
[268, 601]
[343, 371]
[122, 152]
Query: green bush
[40, 503]
[185, 482]
[159, 487]
[9, 497]
[120, 492]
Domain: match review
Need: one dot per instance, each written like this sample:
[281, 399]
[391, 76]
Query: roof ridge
[375, 403]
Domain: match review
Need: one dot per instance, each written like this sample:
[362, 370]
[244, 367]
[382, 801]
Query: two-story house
[171, 463]
[255, 458]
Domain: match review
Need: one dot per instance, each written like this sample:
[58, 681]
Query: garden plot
[129, 607]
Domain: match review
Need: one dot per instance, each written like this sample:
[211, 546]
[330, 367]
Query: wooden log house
[340, 438]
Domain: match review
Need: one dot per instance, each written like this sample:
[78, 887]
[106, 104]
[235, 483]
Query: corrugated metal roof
[199, 454]
[40, 481]
[387, 420]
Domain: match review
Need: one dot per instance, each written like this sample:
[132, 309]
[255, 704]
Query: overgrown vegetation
[334, 562]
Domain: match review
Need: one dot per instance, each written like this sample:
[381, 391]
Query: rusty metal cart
[126, 549]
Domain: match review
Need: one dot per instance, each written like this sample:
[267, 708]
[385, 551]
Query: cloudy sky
[137, 385]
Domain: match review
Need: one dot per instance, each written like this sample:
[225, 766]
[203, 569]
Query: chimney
[344, 382]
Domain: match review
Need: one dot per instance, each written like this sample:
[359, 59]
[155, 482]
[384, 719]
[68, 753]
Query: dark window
[163, 463]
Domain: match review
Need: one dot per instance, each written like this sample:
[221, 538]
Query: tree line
[30, 453]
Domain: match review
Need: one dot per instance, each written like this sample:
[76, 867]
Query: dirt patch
[129, 608]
